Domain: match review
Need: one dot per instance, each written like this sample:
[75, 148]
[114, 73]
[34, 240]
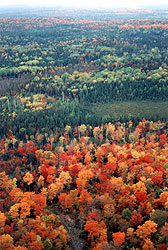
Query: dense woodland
[74, 174]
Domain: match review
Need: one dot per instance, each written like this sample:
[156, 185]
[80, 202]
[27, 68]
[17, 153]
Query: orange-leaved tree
[146, 229]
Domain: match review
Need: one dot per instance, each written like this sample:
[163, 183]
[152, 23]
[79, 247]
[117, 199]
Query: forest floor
[69, 225]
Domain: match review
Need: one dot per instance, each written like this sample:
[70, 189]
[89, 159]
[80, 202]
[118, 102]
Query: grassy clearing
[143, 109]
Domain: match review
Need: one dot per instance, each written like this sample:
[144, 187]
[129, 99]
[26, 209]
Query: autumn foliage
[115, 191]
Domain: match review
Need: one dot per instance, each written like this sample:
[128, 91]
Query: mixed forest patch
[53, 71]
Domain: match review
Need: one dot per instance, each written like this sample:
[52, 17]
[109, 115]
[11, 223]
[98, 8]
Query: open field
[142, 109]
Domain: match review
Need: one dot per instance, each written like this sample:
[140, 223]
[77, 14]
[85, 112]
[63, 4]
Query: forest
[83, 129]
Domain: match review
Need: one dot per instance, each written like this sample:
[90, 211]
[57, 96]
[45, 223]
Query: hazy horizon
[86, 3]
